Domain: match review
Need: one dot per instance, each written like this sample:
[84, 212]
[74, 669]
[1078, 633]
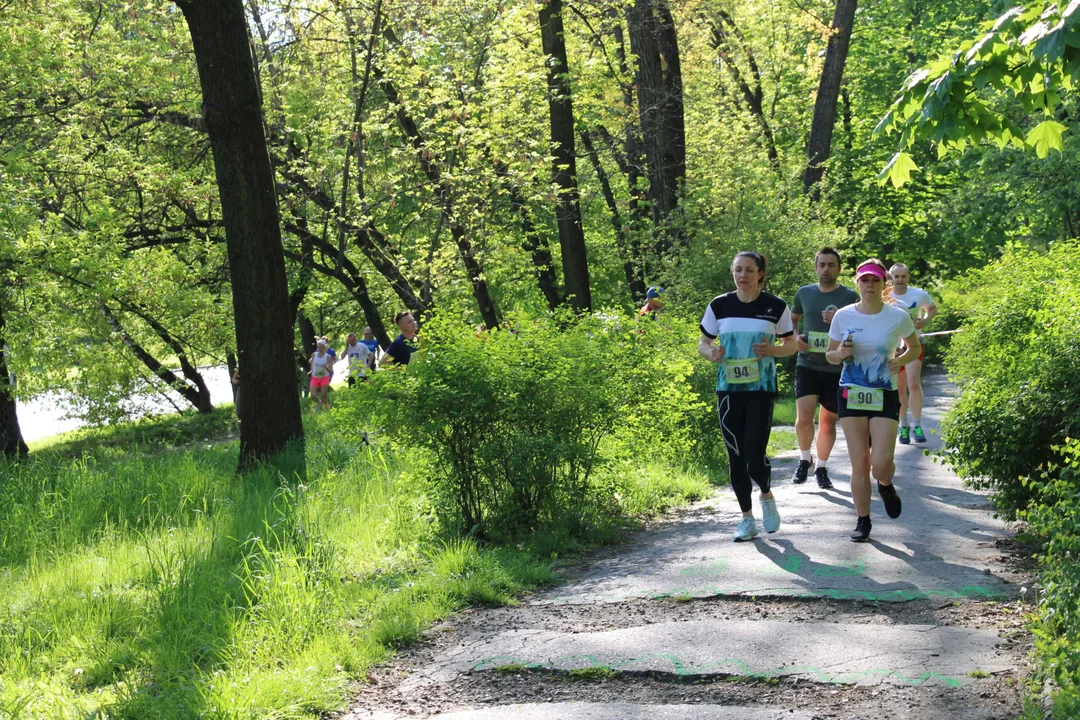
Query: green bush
[1055, 520]
[523, 427]
[1018, 362]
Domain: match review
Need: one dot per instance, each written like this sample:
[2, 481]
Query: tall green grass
[139, 581]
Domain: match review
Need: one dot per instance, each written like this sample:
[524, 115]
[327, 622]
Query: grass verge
[142, 580]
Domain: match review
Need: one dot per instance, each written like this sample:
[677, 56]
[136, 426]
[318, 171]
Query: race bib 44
[742, 371]
[818, 341]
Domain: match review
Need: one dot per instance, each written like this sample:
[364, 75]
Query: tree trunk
[197, 394]
[535, 243]
[270, 414]
[564, 166]
[753, 95]
[660, 106]
[11, 439]
[444, 193]
[632, 166]
[821, 131]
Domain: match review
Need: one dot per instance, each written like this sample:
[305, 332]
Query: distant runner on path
[922, 309]
[816, 379]
[747, 323]
[321, 365]
[400, 351]
[863, 337]
[357, 354]
[372, 344]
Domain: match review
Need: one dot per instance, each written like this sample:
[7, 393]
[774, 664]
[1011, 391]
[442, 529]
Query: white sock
[821, 463]
[904, 420]
[805, 455]
[918, 422]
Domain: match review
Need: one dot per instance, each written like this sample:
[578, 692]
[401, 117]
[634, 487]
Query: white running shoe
[747, 530]
[770, 518]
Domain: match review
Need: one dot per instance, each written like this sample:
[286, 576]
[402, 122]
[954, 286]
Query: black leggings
[745, 423]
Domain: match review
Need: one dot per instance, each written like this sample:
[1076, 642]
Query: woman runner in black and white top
[864, 336]
[747, 323]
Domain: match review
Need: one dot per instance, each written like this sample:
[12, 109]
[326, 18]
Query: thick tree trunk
[660, 105]
[270, 413]
[564, 166]
[11, 439]
[821, 131]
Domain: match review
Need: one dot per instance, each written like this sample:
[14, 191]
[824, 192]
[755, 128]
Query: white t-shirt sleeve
[710, 324]
[785, 327]
[926, 301]
[836, 332]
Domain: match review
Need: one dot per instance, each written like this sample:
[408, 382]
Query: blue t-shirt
[739, 325]
[372, 344]
[401, 350]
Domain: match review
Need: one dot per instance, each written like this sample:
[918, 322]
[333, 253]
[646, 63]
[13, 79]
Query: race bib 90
[742, 371]
[861, 398]
[818, 341]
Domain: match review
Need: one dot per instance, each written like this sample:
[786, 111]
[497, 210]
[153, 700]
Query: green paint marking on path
[678, 667]
[716, 567]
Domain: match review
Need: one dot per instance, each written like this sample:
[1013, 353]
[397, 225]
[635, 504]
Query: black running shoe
[862, 530]
[891, 500]
[823, 480]
[800, 472]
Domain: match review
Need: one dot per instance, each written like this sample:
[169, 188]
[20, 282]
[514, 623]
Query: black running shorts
[824, 384]
[890, 406]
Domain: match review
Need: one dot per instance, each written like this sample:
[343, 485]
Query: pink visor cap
[870, 269]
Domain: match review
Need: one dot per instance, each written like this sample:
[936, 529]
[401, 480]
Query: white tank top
[319, 365]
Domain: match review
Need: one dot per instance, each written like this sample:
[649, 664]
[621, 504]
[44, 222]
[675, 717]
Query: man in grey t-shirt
[816, 380]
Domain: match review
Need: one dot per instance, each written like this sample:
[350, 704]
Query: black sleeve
[398, 351]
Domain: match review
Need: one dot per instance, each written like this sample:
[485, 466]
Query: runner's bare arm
[706, 349]
[914, 347]
[931, 311]
[837, 351]
[801, 344]
[786, 347]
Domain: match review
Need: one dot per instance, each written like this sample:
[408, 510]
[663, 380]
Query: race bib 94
[861, 398]
[742, 371]
[818, 341]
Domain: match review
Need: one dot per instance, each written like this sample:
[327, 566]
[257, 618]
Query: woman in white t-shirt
[864, 337]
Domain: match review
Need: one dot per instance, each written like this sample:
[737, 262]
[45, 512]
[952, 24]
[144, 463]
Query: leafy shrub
[1018, 362]
[1055, 519]
[522, 425]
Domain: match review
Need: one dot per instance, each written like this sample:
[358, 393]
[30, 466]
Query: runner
[400, 351]
[863, 337]
[356, 353]
[747, 322]
[922, 309]
[320, 375]
[816, 379]
[333, 357]
[372, 345]
[653, 302]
